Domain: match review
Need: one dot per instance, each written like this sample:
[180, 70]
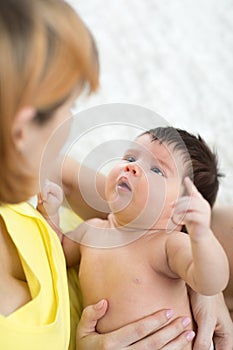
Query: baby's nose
[133, 168]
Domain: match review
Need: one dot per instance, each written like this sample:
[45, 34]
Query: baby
[138, 258]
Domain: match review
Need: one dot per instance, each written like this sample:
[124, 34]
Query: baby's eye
[130, 159]
[157, 171]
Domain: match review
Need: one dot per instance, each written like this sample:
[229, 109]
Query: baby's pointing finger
[191, 188]
[182, 202]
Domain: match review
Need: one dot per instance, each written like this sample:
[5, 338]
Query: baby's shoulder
[177, 235]
[177, 240]
[163, 241]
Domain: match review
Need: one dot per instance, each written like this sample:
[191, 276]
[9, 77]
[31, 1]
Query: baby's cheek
[110, 186]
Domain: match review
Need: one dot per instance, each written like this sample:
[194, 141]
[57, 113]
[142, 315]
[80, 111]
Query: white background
[172, 56]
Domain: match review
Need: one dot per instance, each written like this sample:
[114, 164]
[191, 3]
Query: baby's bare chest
[101, 267]
[122, 272]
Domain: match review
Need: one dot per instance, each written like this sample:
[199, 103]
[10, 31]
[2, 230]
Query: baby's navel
[138, 280]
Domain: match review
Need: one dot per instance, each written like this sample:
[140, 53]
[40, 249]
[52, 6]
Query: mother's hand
[213, 321]
[151, 332]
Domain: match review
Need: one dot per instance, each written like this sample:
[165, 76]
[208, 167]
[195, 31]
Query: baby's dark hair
[201, 163]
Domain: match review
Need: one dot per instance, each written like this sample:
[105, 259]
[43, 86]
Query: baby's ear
[20, 126]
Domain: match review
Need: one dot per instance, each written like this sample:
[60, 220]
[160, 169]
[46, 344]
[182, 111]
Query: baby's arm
[49, 202]
[203, 265]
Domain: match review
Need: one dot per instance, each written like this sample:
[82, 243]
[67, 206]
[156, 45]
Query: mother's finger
[180, 342]
[90, 316]
[170, 337]
[140, 329]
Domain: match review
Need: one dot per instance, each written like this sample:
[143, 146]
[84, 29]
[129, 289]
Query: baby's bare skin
[135, 279]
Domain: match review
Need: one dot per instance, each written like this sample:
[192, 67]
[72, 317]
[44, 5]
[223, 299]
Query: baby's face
[142, 186]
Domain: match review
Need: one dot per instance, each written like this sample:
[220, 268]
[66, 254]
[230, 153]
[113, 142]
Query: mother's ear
[21, 125]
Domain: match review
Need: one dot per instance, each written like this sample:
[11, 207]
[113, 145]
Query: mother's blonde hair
[46, 53]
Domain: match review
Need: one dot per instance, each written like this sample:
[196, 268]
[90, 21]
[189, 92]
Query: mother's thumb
[90, 316]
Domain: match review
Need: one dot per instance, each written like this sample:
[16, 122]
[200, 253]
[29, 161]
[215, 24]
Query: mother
[47, 57]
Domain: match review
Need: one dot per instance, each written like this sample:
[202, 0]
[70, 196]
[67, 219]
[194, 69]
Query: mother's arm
[80, 184]
[222, 225]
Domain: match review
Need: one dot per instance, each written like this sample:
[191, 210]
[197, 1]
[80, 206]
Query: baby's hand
[50, 199]
[193, 210]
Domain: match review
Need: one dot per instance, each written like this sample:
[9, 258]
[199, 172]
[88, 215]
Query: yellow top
[69, 221]
[44, 322]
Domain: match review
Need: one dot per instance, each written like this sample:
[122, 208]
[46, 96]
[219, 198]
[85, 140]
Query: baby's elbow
[209, 291]
[218, 286]
[226, 277]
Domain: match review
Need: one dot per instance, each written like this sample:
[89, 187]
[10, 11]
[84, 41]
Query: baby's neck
[115, 222]
[135, 226]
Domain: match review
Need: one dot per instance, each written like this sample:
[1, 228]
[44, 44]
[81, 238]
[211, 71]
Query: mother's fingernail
[169, 313]
[99, 305]
[190, 335]
[186, 321]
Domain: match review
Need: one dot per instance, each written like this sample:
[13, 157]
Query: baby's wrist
[54, 223]
[201, 233]
[51, 215]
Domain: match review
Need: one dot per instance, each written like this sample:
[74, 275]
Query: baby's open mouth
[123, 184]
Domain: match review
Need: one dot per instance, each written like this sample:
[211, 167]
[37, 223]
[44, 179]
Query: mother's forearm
[84, 190]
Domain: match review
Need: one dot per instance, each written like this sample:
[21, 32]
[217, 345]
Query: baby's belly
[131, 293]
[129, 304]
